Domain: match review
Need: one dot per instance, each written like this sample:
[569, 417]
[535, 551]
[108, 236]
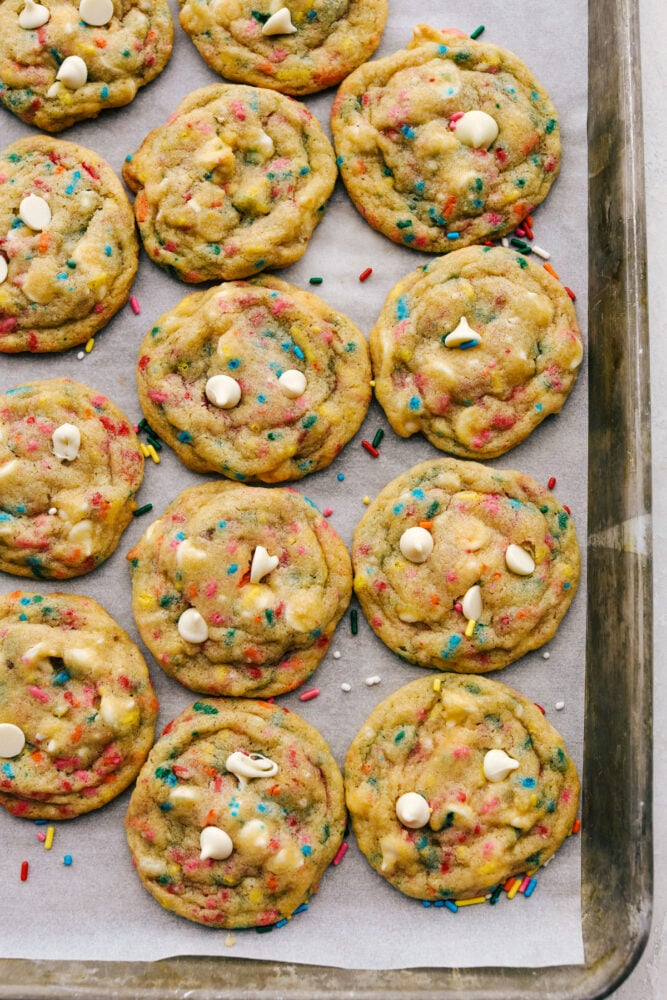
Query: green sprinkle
[404, 223]
[379, 434]
[477, 32]
[142, 510]
[551, 125]
[201, 706]
[354, 621]
[316, 281]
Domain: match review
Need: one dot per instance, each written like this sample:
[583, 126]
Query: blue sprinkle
[415, 403]
[339, 160]
[222, 524]
[104, 93]
[402, 308]
[340, 477]
[7, 769]
[306, 850]
[76, 177]
[439, 902]
[5, 517]
[62, 276]
[166, 806]
[232, 569]
[61, 678]
[453, 643]
[426, 903]
[408, 132]
[566, 585]
[261, 399]
[419, 186]
[128, 158]
[67, 860]
[305, 170]
[108, 251]
[281, 923]
[23, 617]
[20, 508]
[310, 15]
[299, 353]
[398, 508]
[24, 601]
[538, 407]
[184, 437]
[300, 909]
[442, 49]
[453, 236]
[451, 906]
[180, 535]
[409, 238]
[530, 888]
[468, 344]
[528, 782]
[41, 822]
[262, 808]
[418, 493]
[234, 363]
[16, 223]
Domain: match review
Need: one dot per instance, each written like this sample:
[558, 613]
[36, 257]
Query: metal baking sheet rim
[617, 843]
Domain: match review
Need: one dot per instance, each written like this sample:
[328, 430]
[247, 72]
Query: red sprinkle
[570, 293]
[567, 509]
[370, 449]
[24, 871]
[366, 274]
[327, 512]
[540, 708]
[341, 853]
[135, 305]
[309, 695]
[551, 483]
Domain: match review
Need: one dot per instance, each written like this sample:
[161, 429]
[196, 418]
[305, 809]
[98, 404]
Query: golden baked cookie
[70, 467]
[454, 787]
[296, 48]
[237, 590]
[463, 567]
[236, 814]
[77, 711]
[62, 61]
[233, 183]
[256, 380]
[446, 143]
[68, 248]
[474, 350]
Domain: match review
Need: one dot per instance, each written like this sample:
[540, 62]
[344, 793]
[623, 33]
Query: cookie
[77, 709]
[68, 248]
[298, 49]
[464, 568]
[236, 814]
[474, 350]
[62, 62]
[233, 183]
[456, 786]
[446, 143]
[256, 380]
[70, 466]
[237, 590]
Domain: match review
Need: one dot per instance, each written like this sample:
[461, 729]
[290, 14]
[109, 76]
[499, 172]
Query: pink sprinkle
[309, 695]
[458, 607]
[41, 837]
[341, 853]
[524, 883]
[328, 512]
[135, 305]
[98, 307]
[520, 232]
[38, 694]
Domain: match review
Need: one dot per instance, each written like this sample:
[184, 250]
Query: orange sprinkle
[576, 826]
[43, 242]
[274, 790]
[529, 221]
[435, 600]
[549, 268]
[36, 755]
[101, 42]
[426, 524]
[508, 885]
[210, 817]
[192, 590]
[77, 733]
[212, 772]
[271, 882]
[141, 207]
[450, 205]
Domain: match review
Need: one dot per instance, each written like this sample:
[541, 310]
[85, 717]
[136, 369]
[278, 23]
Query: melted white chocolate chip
[262, 564]
[477, 129]
[66, 442]
[413, 810]
[250, 765]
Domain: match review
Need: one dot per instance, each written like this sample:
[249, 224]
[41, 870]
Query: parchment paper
[96, 908]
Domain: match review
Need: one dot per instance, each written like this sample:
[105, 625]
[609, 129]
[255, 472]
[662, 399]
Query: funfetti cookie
[457, 785]
[236, 814]
[77, 709]
[446, 143]
[474, 350]
[68, 248]
[463, 567]
[256, 380]
[233, 183]
[296, 48]
[70, 467]
[62, 61]
[237, 590]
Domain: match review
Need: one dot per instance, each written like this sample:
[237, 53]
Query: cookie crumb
[230, 941]
[372, 681]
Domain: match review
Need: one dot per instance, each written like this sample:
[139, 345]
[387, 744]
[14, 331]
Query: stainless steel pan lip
[617, 869]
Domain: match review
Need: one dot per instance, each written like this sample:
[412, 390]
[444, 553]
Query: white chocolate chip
[462, 334]
[66, 442]
[73, 72]
[498, 764]
[118, 713]
[184, 796]
[254, 835]
[35, 212]
[416, 544]
[54, 89]
[33, 15]
[215, 843]
[3, 269]
[519, 561]
[96, 12]
[293, 383]
[262, 564]
[81, 534]
[471, 605]
[12, 740]
[413, 810]
[253, 765]
[192, 627]
[223, 391]
[279, 23]
[477, 129]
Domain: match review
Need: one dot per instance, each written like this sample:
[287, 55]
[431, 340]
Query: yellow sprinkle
[90, 344]
[470, 902]
[437, 683]
[144, 449]
[372, 383]
[48, 843]
[515, 888]
[367, 500]
[470, 627]
[153, 454]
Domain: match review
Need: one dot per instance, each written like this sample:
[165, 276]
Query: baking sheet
[96, 908]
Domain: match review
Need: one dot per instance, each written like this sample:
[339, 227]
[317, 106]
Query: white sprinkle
[560, 705]
[345, 687]
[505, 242]
[80, 356]
[336, 655]
[230, 941]
[370, 681]
[544, 254]
[53, 510]
[545, 656]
